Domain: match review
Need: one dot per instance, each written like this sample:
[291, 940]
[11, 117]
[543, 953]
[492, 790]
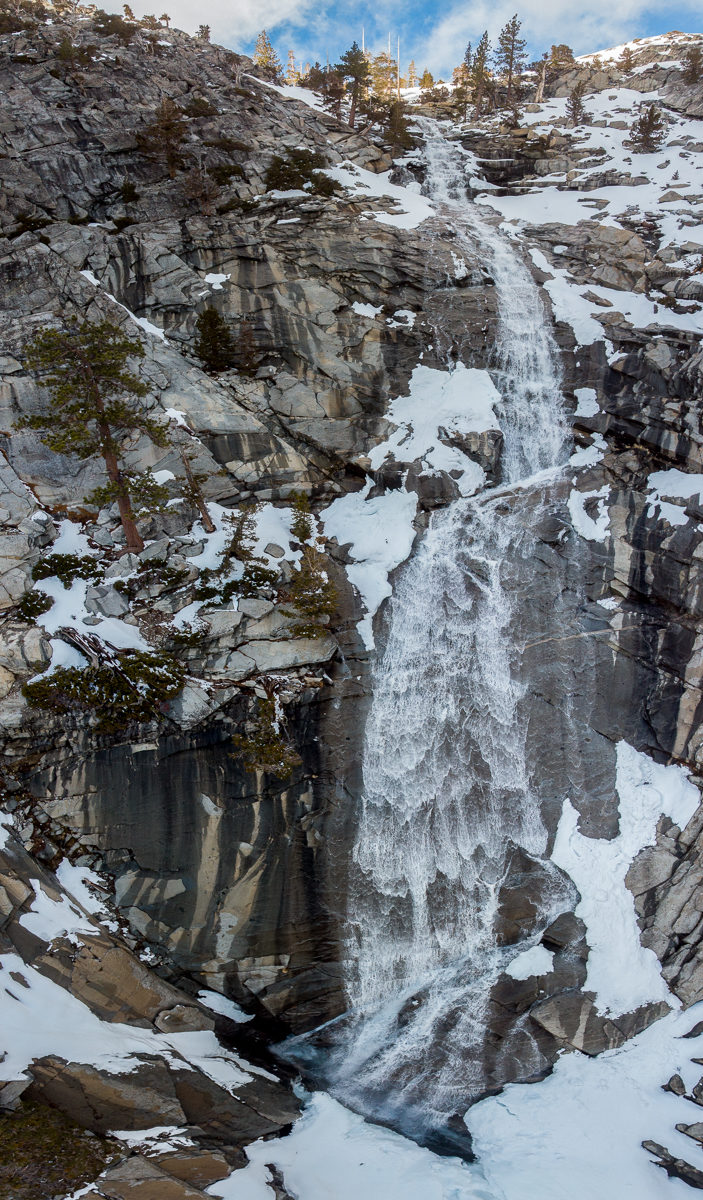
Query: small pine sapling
[193, 490]
[161, 139]
[265, 746]
[575, 110]
[693, 65]
[648, 131]
[626, 62]
[301, 525]
[214, 345]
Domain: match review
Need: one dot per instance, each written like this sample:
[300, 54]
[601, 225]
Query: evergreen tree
[214, 345]
[113, 25]
[94, 401]
[162, 138]
[468, 58]
[412, 74]
[574, 105]
[314, 78]
[480, 73]
[561, 57]
[383, 71]
[353, 66]
[291, 73]
[333, 93]
[128, 12]
[266, 58]
[193, 489]
[626, 61]
[693, 65]
[203, 33]
[397, 131]
[426, 79]
[201, 189]
[165, 20]
[510, 57]
[648, 131]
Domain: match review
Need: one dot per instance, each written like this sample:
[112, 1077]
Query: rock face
[159, 1085]
[235, 878]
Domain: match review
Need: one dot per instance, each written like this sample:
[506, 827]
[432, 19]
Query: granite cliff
[354, 297]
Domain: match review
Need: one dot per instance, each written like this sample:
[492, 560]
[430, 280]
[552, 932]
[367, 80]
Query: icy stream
[447, 793]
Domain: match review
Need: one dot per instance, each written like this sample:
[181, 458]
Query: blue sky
[433, 35]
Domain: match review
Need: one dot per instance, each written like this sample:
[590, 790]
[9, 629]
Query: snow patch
[623, 973]
[594, 529]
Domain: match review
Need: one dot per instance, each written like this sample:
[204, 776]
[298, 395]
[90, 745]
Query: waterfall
[446, 790]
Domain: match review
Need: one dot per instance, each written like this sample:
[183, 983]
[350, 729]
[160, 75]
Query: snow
[459, 401]
[291, 92]
[622, 973]
[586, 402]
[143, 323]
[157, 1137]
[362, 183]
[535, 961]
[216, 281]
[380, 531]
[593, 529]
[676, 484]
[69, 607]
[380, 535]
[403, 318]
[366, 310]
[578, 1133]
[568, 303]
[588, 456]
[49, 918]
[333, 1154]
[218, 1003]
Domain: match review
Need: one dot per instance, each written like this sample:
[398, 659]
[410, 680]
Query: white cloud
[584, 27]
[436, 39]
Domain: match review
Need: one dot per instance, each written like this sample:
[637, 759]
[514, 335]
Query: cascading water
[447, 797]
[447, 794]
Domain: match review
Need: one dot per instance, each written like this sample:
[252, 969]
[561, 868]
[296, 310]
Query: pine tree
[574, 104]
[480, 73]
[214, 345]
[412, 74]
[426, 80]
[626, 61]
[383, 70]
[510, 57]
[128, 12]
[201, 189]
[648, 131]
[246, 354]
[162, 138]
[693, 65]
[193, 490]
[203, 33]
[397, 131]
[561, 57]
[291, 73]
[165, 19]
[266, 58]
[354, 67]
[333, 93]
[94, 401]
[468, 58]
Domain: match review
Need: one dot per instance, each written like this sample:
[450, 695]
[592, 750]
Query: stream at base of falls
[448, 802]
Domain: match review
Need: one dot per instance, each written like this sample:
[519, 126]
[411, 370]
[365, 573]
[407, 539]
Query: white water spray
[447, 795]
